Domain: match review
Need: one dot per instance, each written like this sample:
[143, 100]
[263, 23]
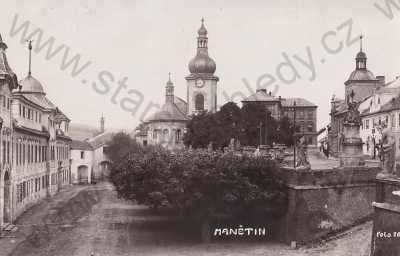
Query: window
[17, 153]
[310, 114]
[393, 123]
[23, 153]
[367, 124]
[8, 151]
[82, 154]
[310, 127]
[199, 102]
[23, 111]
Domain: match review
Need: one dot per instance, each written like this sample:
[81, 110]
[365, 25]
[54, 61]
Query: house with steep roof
[89, 160]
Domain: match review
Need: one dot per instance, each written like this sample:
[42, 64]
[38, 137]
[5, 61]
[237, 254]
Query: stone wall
[386, 229]
[322, 202]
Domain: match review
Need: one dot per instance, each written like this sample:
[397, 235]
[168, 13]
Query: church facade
[167, 126]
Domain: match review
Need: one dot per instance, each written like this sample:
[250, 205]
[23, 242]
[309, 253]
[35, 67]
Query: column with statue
[351, 144]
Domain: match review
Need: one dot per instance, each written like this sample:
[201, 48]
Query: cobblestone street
[68, 225]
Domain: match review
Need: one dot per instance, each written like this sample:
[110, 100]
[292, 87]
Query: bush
[200, 184]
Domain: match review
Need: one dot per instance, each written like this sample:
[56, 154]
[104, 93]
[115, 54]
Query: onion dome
[361, 55]
[31, 85]
[202, 63]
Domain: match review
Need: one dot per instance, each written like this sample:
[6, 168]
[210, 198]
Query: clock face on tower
[199, 82]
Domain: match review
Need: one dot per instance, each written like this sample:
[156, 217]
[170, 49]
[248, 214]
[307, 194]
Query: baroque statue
[353, 115]
[302, 158]
[388, 150]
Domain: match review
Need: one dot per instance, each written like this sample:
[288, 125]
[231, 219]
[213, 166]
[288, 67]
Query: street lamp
[373, 141]
[294, 134]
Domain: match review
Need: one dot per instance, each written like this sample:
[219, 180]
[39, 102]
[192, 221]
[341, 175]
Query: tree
[253, 121]
[217, 128]
[120, 145]
[286, 131]
[200, 130]
[229, 121]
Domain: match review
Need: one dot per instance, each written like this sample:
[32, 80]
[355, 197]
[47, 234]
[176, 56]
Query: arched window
[199, 102]
[165, 135]
[178, 135]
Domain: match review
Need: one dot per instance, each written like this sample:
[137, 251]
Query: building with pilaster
[35, 144]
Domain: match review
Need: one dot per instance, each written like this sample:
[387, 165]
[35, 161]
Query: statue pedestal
[352, 153]
[386, 229]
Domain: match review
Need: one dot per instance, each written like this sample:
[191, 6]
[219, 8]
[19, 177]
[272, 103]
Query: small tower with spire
[30, 57]
[361, 58]
[169, 90]
[361, 83]
[102, 121]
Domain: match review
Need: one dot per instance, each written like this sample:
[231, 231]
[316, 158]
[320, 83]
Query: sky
[294, 48]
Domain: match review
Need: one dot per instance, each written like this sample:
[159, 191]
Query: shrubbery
[199, 184]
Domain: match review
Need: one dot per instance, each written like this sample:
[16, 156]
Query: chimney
[270, 93]
[381, 80]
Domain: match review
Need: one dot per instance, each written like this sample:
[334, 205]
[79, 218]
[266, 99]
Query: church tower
[201, 83]
[362, 82]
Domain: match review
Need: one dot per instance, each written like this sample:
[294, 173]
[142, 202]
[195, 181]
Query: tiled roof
[101, 139]
[260, 95]
[391, 105]
[181, 104]
[169, 112]
[80, 145]
[300, 102]
[362, 75]
[394, 84]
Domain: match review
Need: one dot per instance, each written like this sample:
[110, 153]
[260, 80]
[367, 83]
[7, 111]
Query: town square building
[35, 146]
[306, 112]
[382, 108]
